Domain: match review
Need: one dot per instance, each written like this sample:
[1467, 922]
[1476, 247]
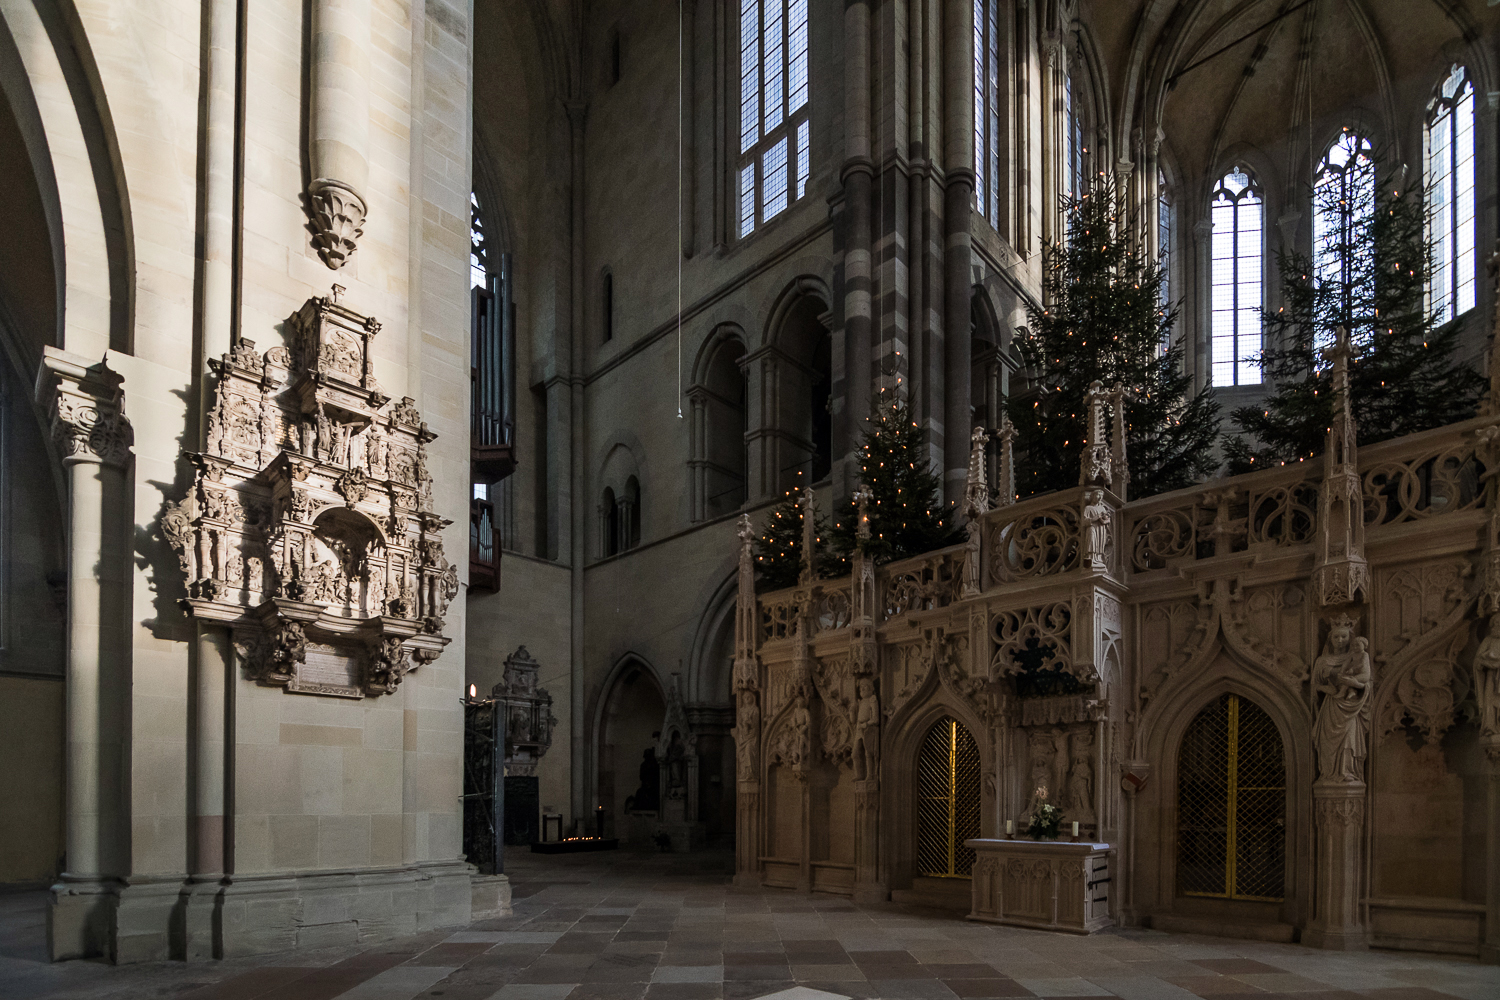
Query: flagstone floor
[670, 927]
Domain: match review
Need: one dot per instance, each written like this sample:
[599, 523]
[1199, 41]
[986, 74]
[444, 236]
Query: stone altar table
[1046, 884]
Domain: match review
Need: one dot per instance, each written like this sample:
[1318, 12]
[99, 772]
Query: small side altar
[1047, 884]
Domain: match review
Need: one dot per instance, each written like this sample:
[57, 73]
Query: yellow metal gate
[947, 801]
[1231, 804]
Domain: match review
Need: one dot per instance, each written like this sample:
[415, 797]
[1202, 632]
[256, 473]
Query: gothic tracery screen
[1231, 804]
[947, 801]
[775, 133]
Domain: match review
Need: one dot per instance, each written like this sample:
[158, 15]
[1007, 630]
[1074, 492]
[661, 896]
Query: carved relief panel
[309, 527]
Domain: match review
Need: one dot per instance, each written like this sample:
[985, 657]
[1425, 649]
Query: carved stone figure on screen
[867, 732]
[1487, 681]
[1342, 677]
[1080, 804]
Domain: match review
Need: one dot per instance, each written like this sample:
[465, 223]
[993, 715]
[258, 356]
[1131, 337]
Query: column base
[1328, 940]
[81, 917]
[873, 892]
[1489, 954]
[149, 920]
[747, 880]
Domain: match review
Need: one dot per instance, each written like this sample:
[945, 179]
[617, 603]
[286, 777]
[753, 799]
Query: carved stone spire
[977, 489]
[1006, 488]
[809, 539]
[1118, 459]
[1096, 463]
[1342, 575]
[744, 610]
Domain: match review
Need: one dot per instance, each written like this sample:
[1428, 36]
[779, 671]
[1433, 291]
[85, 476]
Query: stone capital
[84, 403]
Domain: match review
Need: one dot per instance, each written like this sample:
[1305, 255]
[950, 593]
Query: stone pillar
[747, 835]
[958, 129]
[93, 439]
[213, 675]
[858, 176]
[1489, 948]
[1338, 819]
[339, 126]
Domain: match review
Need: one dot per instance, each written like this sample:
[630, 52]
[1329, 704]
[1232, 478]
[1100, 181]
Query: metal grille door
[947, 801]
[1231, 804]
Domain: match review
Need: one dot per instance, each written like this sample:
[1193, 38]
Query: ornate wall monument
[1301, 662]
[309, 528]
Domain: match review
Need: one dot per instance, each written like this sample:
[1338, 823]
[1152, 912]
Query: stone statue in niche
[867, 732]
[1043, 749]
[801, 739]
[676, 767]
[747, 735]
[1342, 677]
[1080, 804]
[1096, 518]
[1487, 682]
[647, 797]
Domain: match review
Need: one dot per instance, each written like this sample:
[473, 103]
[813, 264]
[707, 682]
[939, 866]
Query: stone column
[958, 128]
[93, 439]
[858, 177]
[212, 669]
[339, 126]
[1489, 948]
[1338, 819]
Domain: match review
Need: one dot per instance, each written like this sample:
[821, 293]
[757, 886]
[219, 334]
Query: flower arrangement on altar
[1045, 818]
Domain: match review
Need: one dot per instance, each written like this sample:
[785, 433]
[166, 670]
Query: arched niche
[630, 721]
[719, 399]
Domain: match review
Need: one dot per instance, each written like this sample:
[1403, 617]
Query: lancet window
[1343, 200]
[775, 131]
[1238, 214]
[1450, 195]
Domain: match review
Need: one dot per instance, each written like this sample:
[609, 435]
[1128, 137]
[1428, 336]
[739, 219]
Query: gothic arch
[610, 761]
[708, 681]
[49, 76]
[905, 731]
[1156, 807]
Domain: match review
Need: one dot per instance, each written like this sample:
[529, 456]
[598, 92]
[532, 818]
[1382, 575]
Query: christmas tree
[1105, 321]
[778, 550]
[907, 514]
[1371, 277]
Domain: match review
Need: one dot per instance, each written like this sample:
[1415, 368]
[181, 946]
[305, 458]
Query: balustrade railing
[1406, 480]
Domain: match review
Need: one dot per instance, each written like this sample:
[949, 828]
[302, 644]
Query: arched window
[1075, 152]
[1343, 199]
[775, 135]
[607, 306]
[609, 524]
[630, 514]
[1231, 804]
[1450, 194]
[1237, 289]
[720, 422]
[947, 801]
[1164, 235]
[986, 108]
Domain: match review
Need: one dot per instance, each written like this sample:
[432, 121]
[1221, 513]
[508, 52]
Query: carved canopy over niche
[309, 527]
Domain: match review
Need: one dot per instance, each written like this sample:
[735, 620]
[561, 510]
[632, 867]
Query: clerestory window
[1450, 195]
[1343, 200]
[775, 132]
[1238, 215]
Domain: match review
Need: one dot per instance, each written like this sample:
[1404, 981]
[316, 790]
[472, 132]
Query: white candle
[1075, 828]
[1010, 827]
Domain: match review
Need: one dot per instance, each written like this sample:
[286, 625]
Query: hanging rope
[679, 209]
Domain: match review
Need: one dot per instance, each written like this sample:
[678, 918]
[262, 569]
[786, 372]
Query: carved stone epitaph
[309, 527]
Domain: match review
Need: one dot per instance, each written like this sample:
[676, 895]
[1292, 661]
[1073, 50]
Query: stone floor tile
[912, 989]
[1143, 988]
[752, 988]
[1280, 982]
[803, 993]
[991, 987]
[1066, 986]
[966, 970]
[688, 974]
[1234, 966]
[684, 991]
[609, 991]
[534, 991]
[401, 983]
[1212, 986]
[752, 973]
[1410, 993]
[816, 970]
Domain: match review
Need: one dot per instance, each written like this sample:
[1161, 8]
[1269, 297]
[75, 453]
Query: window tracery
[1238, 215]
[1450, 195]
[775, 132]
[478, 249]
